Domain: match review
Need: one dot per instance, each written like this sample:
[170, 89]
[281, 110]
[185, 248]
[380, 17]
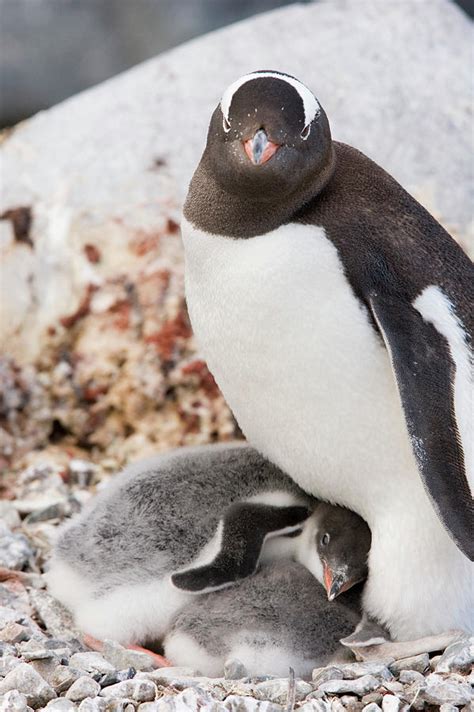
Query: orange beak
[259, 148]
[335, 582]
[327, 578]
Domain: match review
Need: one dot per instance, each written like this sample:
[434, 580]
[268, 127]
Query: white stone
[61, 705]
[91, 662]
[9, 515]
[138, 690]
[93, 704]
[408, 677]
[391, 703]
[324, 674]
[453, 693]
[122, 657]
[458, 657]
[277, 690]
[420, 663]
[13, 701]
[83, 687]
[235, 703]
[351, 671]
[25, 679]
[359, 687]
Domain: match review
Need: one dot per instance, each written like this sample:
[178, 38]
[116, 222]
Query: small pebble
[138, 690]
[45, 668]
[234, 669]
[55, 617]
[121, 657]
[337, 706]
[62, 677]
[14, 633]
[315, 705]
[277, 690]
[434, 661]
[396, 688]
[359, 687]
[15, 549]
[42, 654]
[407, 677]
[352, 671]
[6, 649]
[351, 703]
[82, 472]
[120, 705]
[233, 703]
[420, 663]
[325, 674]
[25, 679]
[447, 707]
[9, 515]
[7, 663]
[61, 705]
[13, 701]
[111, 678]
[391, 703]
[371, 707]
[91, 662]
[372, 698]
[9, 615]
[93, 704]
[451, 692]
[458, 657]
[83, 687]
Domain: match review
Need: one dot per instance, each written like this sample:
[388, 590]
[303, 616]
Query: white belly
[311, 386]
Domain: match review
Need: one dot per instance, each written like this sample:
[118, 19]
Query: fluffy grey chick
[280, 617]
[205, 513]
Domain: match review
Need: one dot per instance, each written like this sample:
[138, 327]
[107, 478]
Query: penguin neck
[216, 211]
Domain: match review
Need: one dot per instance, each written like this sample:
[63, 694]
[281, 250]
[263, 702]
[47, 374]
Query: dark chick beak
[259, 148]
[335, 582]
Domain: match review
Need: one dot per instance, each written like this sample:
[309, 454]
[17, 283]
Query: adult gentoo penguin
[174, 525]
[336, 316]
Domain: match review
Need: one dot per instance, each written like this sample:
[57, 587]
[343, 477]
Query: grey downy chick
[210, 510]
[281, 617]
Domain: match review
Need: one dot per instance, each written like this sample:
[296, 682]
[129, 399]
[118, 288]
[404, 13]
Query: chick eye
[305, 133]
[325, 539]
[225, 124]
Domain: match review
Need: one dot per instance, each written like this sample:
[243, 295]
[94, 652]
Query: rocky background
[98, 362]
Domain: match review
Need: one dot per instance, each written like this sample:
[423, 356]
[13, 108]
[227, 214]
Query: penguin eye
[226, 125]
[305, 133]
[325, 539]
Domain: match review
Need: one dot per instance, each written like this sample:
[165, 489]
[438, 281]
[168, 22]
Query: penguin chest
[295, 354]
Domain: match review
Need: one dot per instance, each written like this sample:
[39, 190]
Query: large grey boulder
[103, 175]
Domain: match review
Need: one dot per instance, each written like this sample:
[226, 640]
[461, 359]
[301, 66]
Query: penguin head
[343, 542]
[269, 138]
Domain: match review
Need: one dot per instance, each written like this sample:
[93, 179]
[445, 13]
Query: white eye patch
[310, 103]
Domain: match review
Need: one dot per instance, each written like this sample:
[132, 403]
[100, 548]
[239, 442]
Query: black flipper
[425, 372]
[245, 525]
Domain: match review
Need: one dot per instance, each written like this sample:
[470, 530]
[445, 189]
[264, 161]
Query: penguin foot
[158, 661]
[367, 650]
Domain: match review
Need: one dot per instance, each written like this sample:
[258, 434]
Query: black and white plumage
[319, 286]
[210, 510]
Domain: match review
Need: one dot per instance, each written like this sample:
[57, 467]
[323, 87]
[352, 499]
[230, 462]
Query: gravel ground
[45, 663]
